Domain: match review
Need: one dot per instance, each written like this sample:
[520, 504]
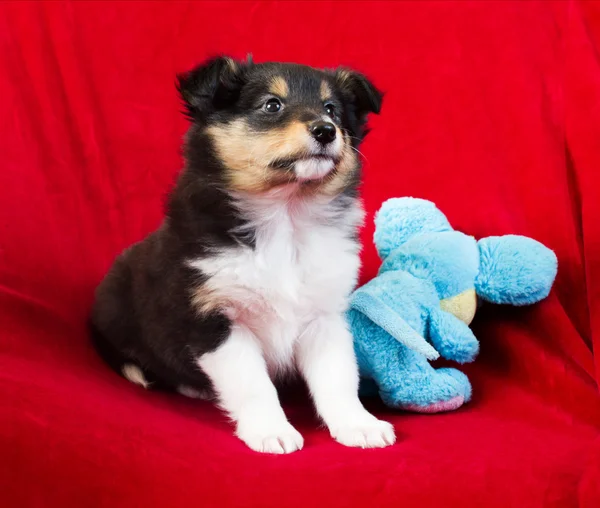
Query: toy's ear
[400, 218]
[363, 300]
[514, 270]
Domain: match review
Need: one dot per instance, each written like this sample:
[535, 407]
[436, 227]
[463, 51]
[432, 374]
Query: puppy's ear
[359, 92]
[211, 86]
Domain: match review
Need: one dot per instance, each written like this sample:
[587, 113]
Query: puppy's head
[274, 124]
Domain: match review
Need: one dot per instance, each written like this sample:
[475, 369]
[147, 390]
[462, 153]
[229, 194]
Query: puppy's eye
[272, 106]
[329, 109]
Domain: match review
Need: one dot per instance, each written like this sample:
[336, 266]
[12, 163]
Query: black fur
[142, 312]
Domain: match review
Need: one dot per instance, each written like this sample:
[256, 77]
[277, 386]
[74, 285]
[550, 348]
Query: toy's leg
[448, 390]
[405, 379]
[416, 386]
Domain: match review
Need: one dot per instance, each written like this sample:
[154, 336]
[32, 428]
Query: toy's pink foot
[438, 407]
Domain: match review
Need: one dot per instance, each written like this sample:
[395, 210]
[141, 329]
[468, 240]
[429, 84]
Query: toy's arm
[452, 338]
[390, 321]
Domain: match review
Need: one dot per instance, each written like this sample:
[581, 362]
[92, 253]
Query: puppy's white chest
[299, 268]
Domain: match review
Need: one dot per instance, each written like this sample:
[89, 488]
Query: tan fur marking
[205, 300]
[192, 393]
[134, 374]
[232, 64]
[343, 75]
[248, 155]
[343, 173]
[325, 90]
[279, 87]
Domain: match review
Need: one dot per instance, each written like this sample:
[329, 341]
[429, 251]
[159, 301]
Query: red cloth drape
[492, 110]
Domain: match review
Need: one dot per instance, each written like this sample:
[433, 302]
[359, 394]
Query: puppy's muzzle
[321, 151]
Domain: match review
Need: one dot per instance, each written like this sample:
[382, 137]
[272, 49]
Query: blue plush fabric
[448, 259]
[398, 320]
[400, 218]
[514, 270]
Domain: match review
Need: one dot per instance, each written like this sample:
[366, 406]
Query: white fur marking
[134, 374]
[192, 393]
[305, 263]
[287, 298]
[313, 168]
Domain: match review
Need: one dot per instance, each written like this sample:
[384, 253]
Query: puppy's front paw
[365, 434]
[273, 438]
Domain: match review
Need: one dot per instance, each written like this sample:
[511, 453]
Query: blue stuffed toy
[425, 295]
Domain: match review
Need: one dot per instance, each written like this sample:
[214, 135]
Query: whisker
[359, 153]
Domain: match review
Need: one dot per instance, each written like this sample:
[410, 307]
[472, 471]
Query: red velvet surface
[492, 111]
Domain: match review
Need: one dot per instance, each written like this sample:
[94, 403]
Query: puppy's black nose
[323, 132]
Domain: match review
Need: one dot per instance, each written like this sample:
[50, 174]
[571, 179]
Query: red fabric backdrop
[492, 111]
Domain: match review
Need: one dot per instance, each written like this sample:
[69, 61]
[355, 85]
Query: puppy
[248, 277]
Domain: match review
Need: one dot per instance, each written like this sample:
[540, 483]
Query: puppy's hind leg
[122, 363]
